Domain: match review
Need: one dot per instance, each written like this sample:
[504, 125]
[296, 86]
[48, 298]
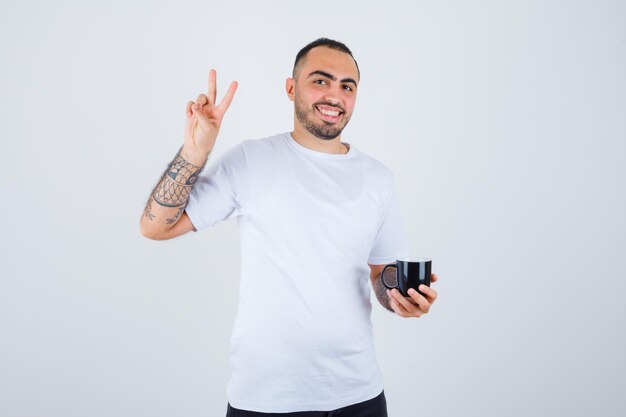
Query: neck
[306, 139]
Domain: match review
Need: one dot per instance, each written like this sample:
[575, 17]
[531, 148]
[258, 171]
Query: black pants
[376, 407]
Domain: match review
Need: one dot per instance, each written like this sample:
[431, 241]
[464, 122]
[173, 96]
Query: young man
[311, 210]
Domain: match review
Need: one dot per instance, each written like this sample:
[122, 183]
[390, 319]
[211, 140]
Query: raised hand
[204, 118]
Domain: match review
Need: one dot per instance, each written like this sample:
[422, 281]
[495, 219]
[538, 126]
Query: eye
[350, 88]
[319, 80]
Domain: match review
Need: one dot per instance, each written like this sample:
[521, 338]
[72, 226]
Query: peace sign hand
[204, 119]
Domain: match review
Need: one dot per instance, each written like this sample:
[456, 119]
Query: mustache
[330, 105]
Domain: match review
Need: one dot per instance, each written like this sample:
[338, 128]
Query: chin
[325, 133]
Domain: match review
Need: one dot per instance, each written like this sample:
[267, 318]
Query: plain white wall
[504, 123]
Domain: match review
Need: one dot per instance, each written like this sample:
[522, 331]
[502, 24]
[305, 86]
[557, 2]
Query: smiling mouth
[329, 115]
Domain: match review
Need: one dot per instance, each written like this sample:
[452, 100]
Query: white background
[504, 123]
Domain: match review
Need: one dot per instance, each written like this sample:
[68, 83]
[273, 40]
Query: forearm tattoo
[174, 187]
[176, 216]
[179, 179]
[381, 291]
[148, 210]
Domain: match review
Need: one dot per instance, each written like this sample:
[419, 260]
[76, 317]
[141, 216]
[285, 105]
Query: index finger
[433, 278]
[211, 92]
[229, 96]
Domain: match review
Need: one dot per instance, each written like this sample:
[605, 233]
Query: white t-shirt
[309, 224]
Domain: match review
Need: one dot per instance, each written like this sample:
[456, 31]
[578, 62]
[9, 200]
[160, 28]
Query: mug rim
[414, 259]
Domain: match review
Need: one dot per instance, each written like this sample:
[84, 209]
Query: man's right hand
[204, 118]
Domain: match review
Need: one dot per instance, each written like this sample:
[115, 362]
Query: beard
[317, 127]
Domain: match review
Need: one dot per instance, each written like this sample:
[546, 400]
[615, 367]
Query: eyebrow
[332, 77]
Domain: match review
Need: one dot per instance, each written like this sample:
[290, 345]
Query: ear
[290, 87]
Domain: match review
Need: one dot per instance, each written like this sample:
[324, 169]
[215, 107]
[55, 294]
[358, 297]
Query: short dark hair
[329, 43]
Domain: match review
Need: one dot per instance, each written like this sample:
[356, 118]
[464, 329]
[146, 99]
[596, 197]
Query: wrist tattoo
[174, 187]
[176, 184]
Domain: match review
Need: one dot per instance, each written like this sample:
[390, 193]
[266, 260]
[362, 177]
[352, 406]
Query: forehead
[337, 63]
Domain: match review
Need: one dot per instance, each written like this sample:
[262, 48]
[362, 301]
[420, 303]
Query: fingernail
[411, 291]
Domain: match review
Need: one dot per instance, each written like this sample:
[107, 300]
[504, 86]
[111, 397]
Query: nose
[332, 96]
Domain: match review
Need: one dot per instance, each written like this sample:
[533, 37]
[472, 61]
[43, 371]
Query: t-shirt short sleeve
[392, 241]
[221, 191]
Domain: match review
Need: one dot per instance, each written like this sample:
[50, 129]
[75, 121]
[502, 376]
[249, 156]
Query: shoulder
[254, 158]
[263, 144]
[376, 169]
[241, 153]
[262, 153]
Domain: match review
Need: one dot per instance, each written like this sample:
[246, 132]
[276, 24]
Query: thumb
[202, 118]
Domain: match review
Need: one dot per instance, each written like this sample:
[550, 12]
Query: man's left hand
[416, 304]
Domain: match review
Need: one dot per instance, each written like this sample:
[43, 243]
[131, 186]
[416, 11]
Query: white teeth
[328, 112]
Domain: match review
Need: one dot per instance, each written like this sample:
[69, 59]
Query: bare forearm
[170, 196]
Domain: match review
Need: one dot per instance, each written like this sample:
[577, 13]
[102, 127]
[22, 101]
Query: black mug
[410, 273]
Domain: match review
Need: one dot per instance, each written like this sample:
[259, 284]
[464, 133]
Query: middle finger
[420, 300]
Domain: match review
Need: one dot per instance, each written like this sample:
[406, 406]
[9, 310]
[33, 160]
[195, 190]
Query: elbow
[147, 231]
